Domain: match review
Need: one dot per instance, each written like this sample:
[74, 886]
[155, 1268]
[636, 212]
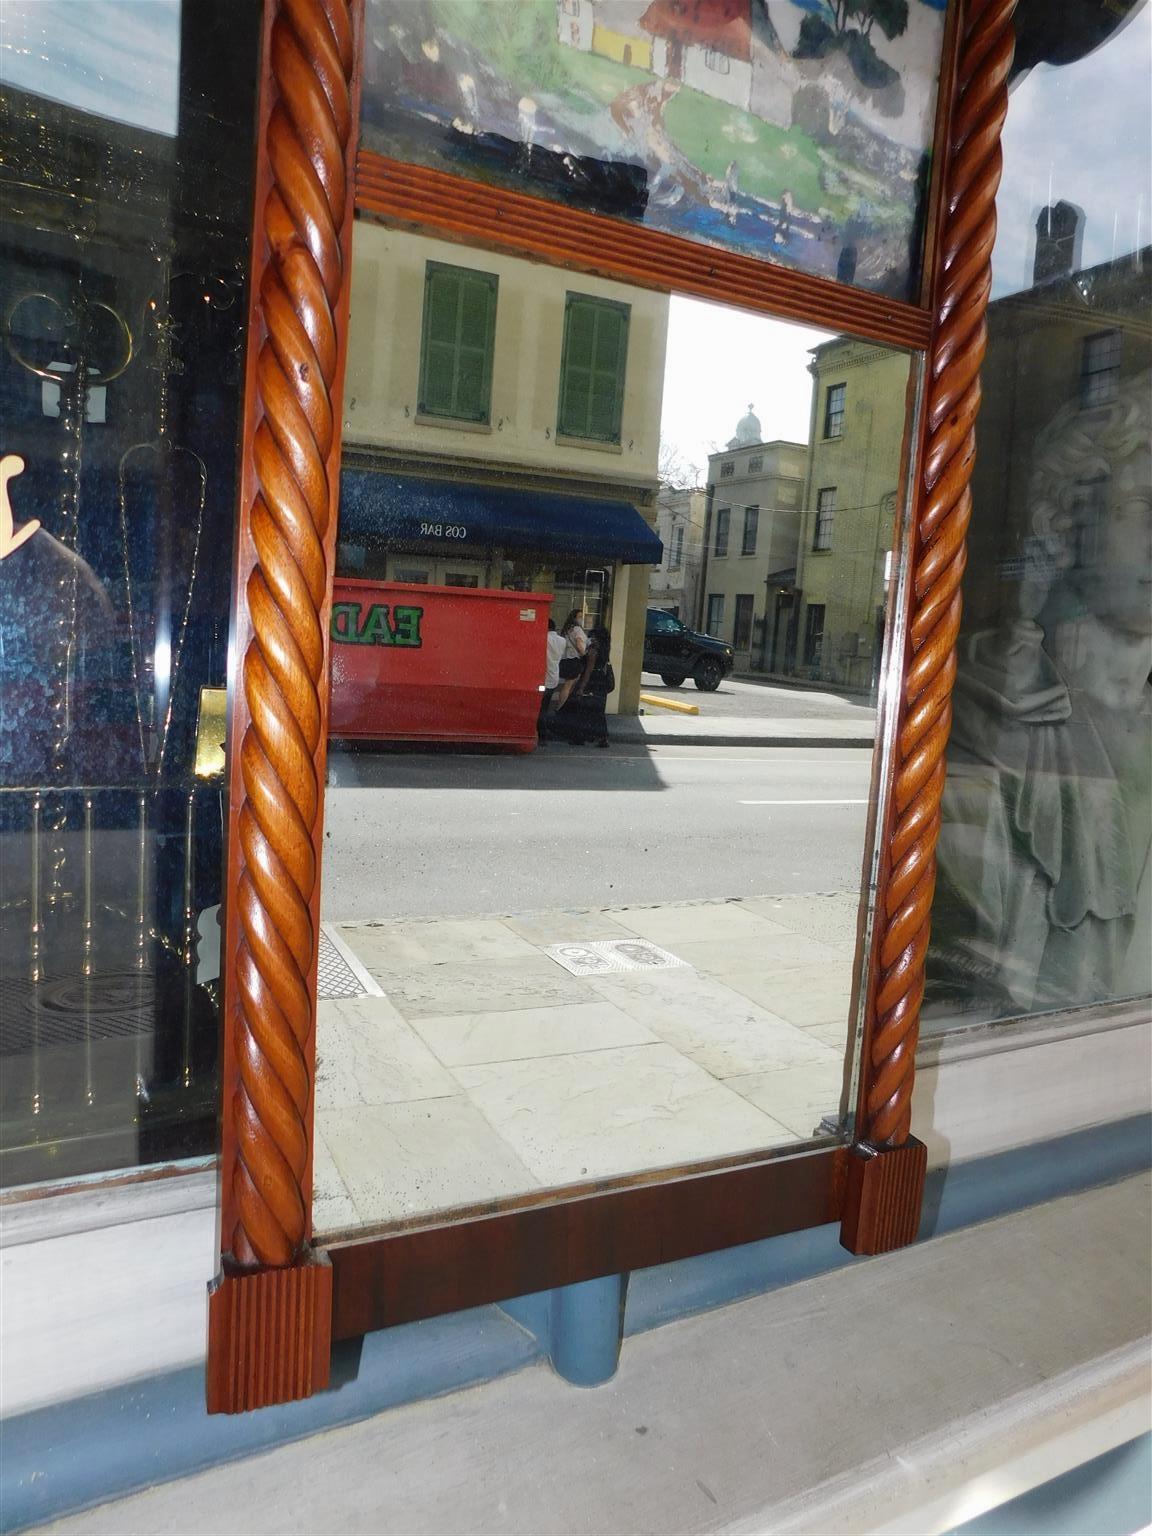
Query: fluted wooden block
[272, 1336]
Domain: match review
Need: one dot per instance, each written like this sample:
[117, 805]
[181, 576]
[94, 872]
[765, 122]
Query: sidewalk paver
[487, 1069]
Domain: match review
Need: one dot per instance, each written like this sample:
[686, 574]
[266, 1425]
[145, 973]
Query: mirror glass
[609, 622]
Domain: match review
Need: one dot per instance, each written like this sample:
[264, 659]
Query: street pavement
[417, 834]
[745, 713]
[740, 698]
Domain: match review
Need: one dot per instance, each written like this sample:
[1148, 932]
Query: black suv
[676, 653]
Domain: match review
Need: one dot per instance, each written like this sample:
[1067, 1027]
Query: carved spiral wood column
[269, 1311]
[886, 1177]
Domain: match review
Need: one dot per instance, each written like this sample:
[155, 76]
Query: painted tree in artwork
[849, 30]
[890, 15]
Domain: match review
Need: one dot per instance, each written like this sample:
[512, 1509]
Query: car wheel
[672, 679]
[708, 675]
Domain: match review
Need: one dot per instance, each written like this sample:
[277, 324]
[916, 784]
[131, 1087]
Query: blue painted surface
[579, 1327]
[96, 1448]
[955, 1197]
[1109, 1496]
[100, 1447]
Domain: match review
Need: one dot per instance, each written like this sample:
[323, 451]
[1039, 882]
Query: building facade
[755, 490]
[545, 474]
[859, 400]
[681, 514]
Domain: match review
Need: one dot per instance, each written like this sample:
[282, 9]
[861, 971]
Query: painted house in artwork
[609, 28]
[705, 44]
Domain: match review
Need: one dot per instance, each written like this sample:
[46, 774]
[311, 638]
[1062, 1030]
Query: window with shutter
[458, 340]
[592, 368]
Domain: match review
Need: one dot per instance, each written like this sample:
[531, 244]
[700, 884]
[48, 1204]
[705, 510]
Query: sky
[1080, 132]
[719, 361]
[116, 58]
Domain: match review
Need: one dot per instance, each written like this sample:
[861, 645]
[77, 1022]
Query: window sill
[589, 444]
[453, 424]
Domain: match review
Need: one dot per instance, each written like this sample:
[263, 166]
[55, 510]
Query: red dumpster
[421, 663]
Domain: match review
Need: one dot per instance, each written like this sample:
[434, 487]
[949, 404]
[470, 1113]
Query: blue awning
[465, 517]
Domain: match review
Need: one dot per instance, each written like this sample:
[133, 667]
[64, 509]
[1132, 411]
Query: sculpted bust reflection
[1044, 896]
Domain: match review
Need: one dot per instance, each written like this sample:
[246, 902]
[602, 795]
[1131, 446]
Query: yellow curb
[673, 704]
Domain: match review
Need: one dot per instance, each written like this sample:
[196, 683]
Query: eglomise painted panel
[795, 130]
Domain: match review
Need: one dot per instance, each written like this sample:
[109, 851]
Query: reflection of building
[675, 582]
[755, 492]
[858, 415]
[1043, 899]
[501, 429]
[1073, 334]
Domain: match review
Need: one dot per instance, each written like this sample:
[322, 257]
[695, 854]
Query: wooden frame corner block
[269, 1335]
[883, 1196]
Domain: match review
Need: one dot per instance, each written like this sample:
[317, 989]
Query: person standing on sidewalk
[553, 654]
[572, 662]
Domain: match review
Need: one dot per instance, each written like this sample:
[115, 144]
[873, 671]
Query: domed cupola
[747, 431]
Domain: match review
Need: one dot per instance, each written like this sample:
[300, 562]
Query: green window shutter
[458, 341]
[593, 369]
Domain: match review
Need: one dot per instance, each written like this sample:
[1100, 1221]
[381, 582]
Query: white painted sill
[79, 1260]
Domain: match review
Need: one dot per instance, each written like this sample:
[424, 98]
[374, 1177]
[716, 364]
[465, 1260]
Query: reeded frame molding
[271, 1309]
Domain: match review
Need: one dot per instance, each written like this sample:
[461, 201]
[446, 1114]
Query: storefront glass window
[1043, 898]
[573, 935]
[126, 198]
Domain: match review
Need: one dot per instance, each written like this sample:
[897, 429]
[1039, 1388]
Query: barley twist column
[942, 512]
[268, 1331]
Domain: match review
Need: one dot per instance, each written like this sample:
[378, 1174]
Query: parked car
[677, 653]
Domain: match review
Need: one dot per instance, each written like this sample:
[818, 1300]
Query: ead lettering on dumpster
[380, 625]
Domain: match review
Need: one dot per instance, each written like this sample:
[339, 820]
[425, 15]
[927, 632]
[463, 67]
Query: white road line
[802, 802]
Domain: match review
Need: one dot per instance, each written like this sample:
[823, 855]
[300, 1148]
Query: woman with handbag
[585, 715]
[572, 662]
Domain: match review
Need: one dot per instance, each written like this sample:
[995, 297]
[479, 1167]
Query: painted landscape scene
[793, 130]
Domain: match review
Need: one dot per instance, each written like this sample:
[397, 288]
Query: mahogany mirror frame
[279, 1301]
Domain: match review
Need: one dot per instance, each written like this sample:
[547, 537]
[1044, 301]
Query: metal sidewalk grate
[601, 957]
[68, 1010]
[340, 974]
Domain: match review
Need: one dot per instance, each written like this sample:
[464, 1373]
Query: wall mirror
[586, 503]
[612, 581]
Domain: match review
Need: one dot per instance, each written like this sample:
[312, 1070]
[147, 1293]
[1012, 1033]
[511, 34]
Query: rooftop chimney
[1059, 235]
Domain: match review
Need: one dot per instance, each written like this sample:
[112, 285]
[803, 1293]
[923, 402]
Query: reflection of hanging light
[162, 664]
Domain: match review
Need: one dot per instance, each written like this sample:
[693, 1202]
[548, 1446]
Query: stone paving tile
[614, 1112]
[366, 1053]
[484, 987]
[401, 1160]
[799, 1097]
[762, 952]
[831, 918]
[333, 1208]
[718, 1028]
[544, 928]
[697, 922]
[403, 946]
[802, 996]
[467, 1038]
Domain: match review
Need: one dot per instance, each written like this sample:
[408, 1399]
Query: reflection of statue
[1044, 886]
[57, 631]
